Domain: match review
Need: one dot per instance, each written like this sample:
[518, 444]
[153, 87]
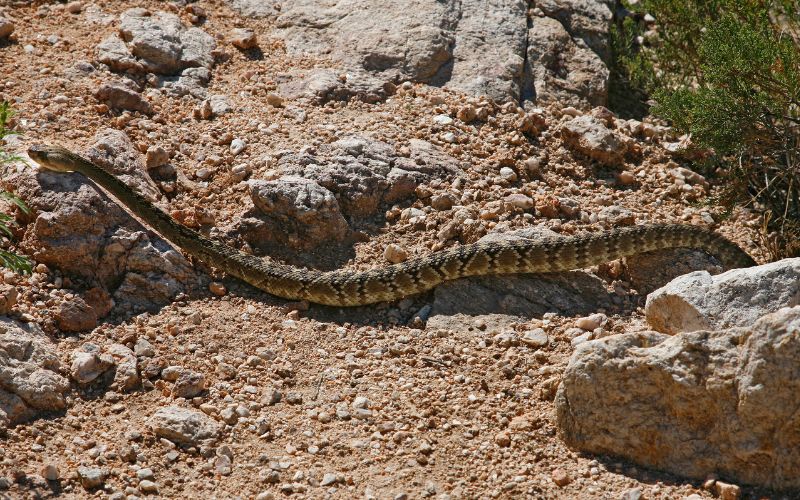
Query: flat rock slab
[699, 404]
[698, 300]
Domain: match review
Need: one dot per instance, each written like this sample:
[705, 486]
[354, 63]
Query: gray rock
[698, 300]
[590, 136]
[183, 426]
[75, 315]
[588, 20]
[562, 71]
[92, 477]
[651, 270]
[126, 376]
[189, 384]
[306, 213]
[85, 234]
[118, 96]
[321, 85]
[514, 296]
[157, 43]
[696, 404]
[88, 363]
[29, 371]
[8, 297]
[254, 8]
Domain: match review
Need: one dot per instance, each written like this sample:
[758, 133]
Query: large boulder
[706, 403]
[698, 300]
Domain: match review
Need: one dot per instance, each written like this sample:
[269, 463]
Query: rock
[516, 296]
[183, 426]
[92, 477]
[588, 22]
[254, 8]
[189, 384]
[79, 230]
[591, 322]
[243, 38]
[156, 43]
[535, 338]
[8, 298]
[75, 315]
[50, 472]
[395, 253]
[144, 348]
[217, 288]
[697, 404]
[126, 376]
[156, 157]
[6, 28]
[651, 270]
[88, 363]
[306, 213]
[74, 7]
[590, 136]
[560, 477]
[563, 70]
[147, 486]
[118, 96]
[29, 372]
[738, 297]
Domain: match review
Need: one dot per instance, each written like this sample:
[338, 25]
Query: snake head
[54, 158]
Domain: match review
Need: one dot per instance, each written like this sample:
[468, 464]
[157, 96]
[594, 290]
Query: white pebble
[508, 174]
[395, 253]
[589, 323]
[237, 146]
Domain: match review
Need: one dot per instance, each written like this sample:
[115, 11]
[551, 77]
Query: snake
[392, 282]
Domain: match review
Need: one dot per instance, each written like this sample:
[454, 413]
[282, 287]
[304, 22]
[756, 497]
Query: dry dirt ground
[447, 414]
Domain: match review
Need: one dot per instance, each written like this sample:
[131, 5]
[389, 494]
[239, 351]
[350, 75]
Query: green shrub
[8, 258]
[728, 73]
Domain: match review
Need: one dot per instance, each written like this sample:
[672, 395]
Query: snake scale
[348, 288]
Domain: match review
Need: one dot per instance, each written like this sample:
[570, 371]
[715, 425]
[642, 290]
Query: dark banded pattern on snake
[348, 288]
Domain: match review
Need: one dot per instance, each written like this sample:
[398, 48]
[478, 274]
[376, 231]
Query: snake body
[347, 288]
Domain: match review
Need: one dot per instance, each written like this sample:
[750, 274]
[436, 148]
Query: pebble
[145, 473]
[591, 322]
[632, 494]
[502, 439]
[360, 402]
[50, 472]
[202, 173]
[442, 120]
[580, 339]
[243, 38]
[449, 137]
[217, 288]
[74, 7]
[560, 477]
[144, 348]
[237, 146]
[442, 201]
[395, 253]
[148, 486]
[520, 201]
[171, 373]
[328, 479]
[156, 156]
[8, 297]
[508, 174]
[274, 100]
[535, 338]
[727, 491]
[626, 178]
[6, 27]
[91, 477]
[222, 464]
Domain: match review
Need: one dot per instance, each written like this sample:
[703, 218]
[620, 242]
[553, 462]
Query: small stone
[50, 472]
[8, 298]
[156, 156]
[535, 338]
[395, 253]
[144, 348]
[502, 439]
[183, 425]
[88, 364]
[442, 120]
[520, 201]
[145, 473]
[75, 315]
[222, 464]
[171, 373]
[237, 146]
[74, 7]
[189, 384]
[626, 178]
[592, 322]
[217, 288]
[328, 479]
[508, 174]
[148, 486]
[466, 113]
[632, 494]
[727, 491]
[91, 477]
[202, 173]
[560, 477]
[449, 137]
[443, 201]
[243, 38]
[6, 27]
[360, 402]
[532, 165]
[274, 100]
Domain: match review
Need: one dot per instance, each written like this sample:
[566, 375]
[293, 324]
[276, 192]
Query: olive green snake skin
[348, 288]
